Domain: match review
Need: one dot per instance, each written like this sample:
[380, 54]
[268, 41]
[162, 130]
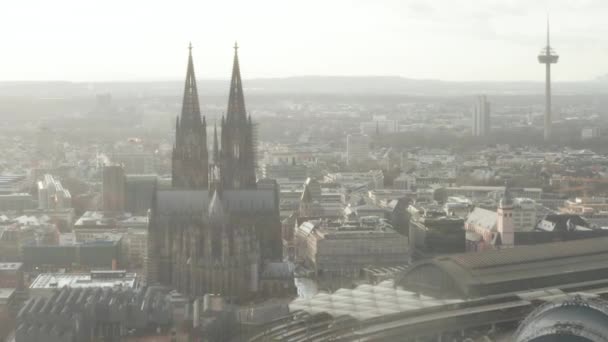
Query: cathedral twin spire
[190, 149]
[238, 136]
[233, 165]
[191, 110]
[236, 99]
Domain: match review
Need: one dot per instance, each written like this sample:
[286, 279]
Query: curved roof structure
[367, 301]
[571, 319]
[510, 270]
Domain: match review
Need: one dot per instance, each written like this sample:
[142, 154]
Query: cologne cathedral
[216, 225]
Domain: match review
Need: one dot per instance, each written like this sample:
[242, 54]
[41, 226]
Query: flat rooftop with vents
[94, 279]
[10, 266]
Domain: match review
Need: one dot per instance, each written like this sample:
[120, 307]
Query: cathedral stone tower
[211, 231]
[238, 137]
[190, 156]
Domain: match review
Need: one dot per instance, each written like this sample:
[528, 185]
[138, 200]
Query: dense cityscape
[305, 208]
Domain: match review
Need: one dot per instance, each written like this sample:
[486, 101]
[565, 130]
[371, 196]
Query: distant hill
[373, 85]
[602, 78]
[401, 85]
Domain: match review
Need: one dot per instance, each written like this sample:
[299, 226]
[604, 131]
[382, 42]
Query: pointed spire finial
[507, 198]
[236, 102]
[191, 113]
[236, 46]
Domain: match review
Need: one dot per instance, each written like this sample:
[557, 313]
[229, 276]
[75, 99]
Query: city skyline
[142, 41]
[347, 170]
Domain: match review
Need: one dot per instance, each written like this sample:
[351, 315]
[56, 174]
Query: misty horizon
[430, 40]
[344, 170]
[599, 77]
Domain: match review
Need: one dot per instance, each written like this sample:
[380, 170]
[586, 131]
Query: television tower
[547, 57]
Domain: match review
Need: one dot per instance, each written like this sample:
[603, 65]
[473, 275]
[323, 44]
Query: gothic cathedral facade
[216, 226]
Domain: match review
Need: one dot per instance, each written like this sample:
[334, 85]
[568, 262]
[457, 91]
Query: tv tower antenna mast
[547, 57]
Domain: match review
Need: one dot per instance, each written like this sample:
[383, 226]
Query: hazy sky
[85, 40]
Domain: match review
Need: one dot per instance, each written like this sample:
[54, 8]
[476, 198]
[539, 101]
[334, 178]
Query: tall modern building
[113, 188]
[211, 231]
[547, 57]
[357, 148]
[481, 117]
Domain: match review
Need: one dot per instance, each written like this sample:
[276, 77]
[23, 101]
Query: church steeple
[504, 224]
[236, 99]
[190, 157]
[191, 111]
[238, 137]
[507, 200]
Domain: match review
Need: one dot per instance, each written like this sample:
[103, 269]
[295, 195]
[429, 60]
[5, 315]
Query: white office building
[357, 148]
[481, 117]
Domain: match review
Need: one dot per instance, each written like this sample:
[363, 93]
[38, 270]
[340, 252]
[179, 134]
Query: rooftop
[363, 226]
[491, 188]
[17, 194]
[483, 218]
[5, 295]
[517, 269]
[104, 219]
[101, 238]
[10, 266]
[85, 280]
[134, 221]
